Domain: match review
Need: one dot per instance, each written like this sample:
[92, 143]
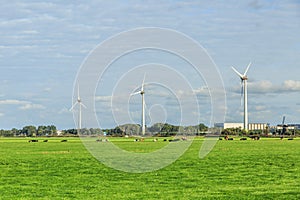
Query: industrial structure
[251, 126]
[80, 104]
[244, 79]
[142, 93]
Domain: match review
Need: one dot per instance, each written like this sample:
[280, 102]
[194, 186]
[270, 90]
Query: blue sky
[43, 44]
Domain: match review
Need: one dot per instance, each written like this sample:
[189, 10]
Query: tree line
[267, 131]
[30, 131]
[158, 129]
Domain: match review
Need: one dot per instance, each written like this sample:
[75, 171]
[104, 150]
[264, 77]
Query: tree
[95, 131]
[6, 133]
[46, 130]
[118, 131]
[41, 130]
[156, 128]
[51, 130]
[226, 131]
[202, 127]
[15, 132]
[70, 132]
[29, 131]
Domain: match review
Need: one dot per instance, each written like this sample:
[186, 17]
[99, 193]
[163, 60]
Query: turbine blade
[247, 69]
[142, 89]
[78, 93]
[83, 105]
[135, 93]
[283, 119]
[238, 73]
[73, 106]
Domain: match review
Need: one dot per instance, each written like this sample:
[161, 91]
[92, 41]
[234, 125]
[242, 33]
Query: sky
[43, 45]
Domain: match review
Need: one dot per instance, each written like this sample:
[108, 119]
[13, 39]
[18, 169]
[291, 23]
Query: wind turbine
[80, 104]
[142, 92]
[244, 79]
[283, 127]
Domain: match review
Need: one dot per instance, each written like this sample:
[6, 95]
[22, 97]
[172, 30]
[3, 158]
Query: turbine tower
[142, 92]
[80, 104]
[244, 79]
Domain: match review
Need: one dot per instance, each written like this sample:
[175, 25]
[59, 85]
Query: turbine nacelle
[138, 92]
[244, 78]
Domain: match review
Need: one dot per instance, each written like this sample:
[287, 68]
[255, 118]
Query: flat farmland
[263, 169]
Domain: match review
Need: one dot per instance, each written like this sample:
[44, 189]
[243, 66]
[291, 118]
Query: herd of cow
[253, 137]
[45, 140]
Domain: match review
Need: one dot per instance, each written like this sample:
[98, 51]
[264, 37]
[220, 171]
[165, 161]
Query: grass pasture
[263, 169]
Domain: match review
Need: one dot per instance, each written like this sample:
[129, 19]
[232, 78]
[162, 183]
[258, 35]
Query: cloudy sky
[44, 43]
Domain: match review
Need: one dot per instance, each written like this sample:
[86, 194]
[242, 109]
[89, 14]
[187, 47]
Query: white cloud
[30, 32]
[103, 98]
[31, 106]
[15, 22]
[267, 87]
[47, 89]
[23, 105]
[64, 111]
[13, 102]
[260, 108]
[291, 85]
[201, 91]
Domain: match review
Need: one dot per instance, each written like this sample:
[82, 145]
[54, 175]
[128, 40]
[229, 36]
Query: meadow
[263, 169]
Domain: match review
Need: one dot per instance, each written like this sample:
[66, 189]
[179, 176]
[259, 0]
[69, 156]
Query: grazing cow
[174, 140]
[32, 140]
[64, 140]
[254, 137]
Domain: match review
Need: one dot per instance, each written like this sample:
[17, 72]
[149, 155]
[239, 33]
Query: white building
[257, 126]
[229, 125]
[251, 126]
[287, 127]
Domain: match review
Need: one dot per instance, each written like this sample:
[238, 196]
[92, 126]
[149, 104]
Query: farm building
[251, 126]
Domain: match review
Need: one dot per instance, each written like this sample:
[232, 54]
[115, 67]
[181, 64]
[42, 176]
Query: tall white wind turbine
[80, 104]
[142, 92]
[244, 79]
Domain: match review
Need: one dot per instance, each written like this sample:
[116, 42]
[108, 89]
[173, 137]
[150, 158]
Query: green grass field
[264, 169]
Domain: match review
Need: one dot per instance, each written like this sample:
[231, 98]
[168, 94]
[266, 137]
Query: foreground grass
[264, 169]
